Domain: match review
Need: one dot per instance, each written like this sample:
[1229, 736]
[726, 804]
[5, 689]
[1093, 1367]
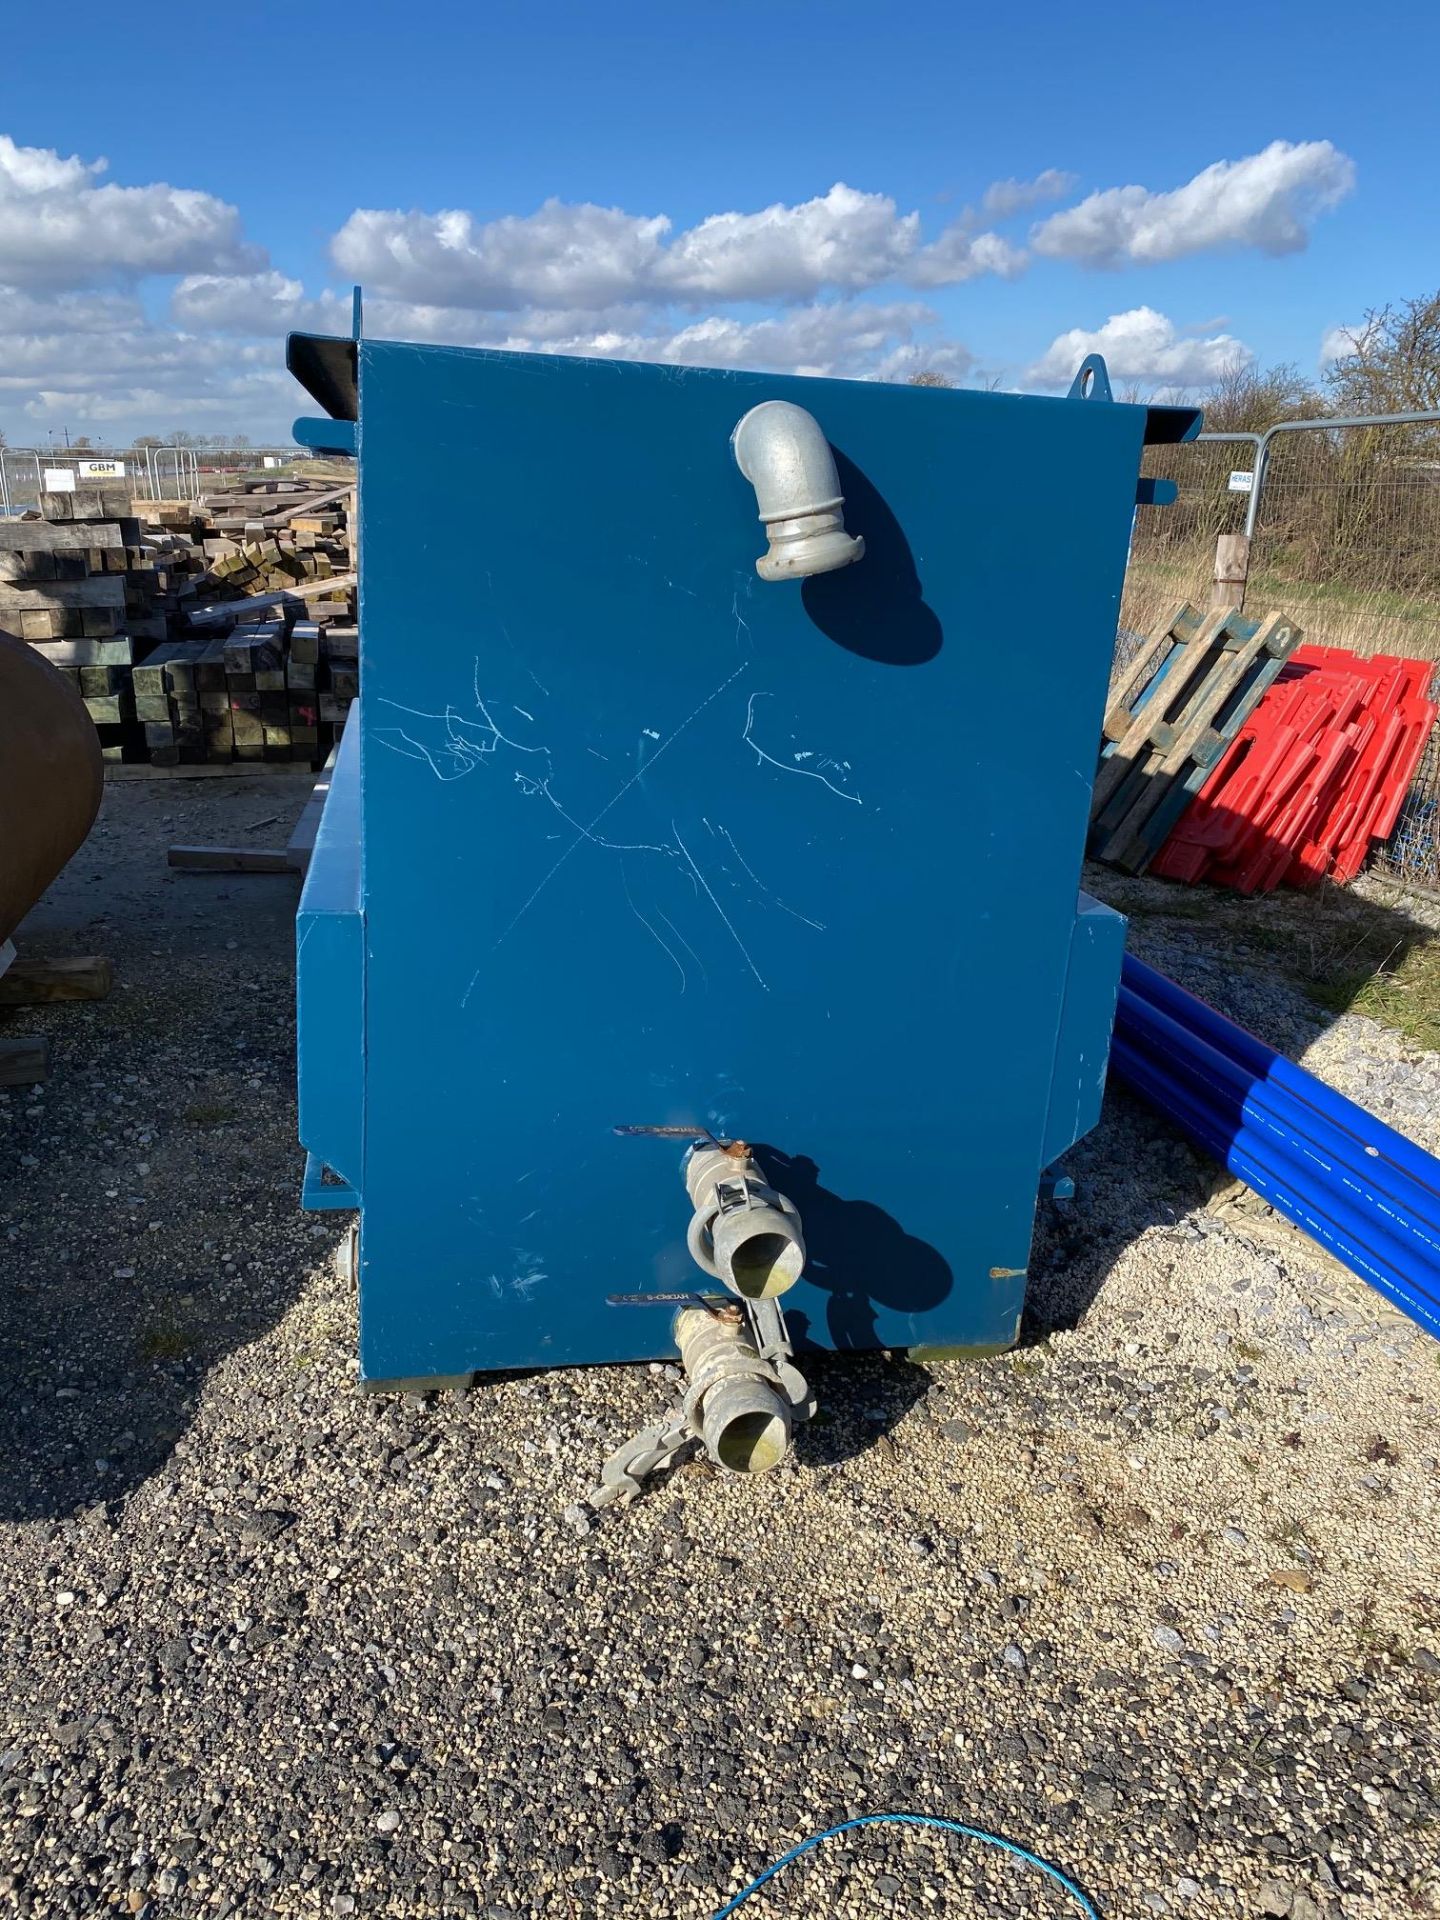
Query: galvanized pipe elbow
[785, 456]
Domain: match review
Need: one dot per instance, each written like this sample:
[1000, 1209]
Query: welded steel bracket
[319, 1195]
[1164, 426]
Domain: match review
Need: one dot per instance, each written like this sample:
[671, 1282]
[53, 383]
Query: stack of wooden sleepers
[193, 635]
[260, 681]
[84, 588]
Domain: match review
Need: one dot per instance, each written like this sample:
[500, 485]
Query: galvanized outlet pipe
[734, 1401]
[742, 1232]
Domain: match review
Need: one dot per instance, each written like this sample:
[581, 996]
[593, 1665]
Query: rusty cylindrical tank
[51, 777]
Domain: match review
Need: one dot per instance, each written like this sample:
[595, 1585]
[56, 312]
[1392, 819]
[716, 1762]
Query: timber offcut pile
[193, 634]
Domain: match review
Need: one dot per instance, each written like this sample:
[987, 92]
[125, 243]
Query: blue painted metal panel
[326, 436]
[1082, 1052]
[330, 984]
[646, 840]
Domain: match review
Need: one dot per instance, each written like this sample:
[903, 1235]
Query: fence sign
[59, 480]
[102, 469]
[1241, 482]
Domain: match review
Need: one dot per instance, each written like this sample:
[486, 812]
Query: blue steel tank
[651, 837]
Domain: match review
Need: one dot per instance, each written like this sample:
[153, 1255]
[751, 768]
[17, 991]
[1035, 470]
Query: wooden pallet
[1174, 711]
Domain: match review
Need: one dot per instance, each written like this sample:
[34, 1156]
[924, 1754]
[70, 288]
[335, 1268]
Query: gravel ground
[1157, 1595]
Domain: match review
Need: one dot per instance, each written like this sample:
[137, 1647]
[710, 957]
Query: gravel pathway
[1157, 1595]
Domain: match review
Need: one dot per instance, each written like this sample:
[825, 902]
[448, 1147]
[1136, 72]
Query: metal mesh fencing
[1347, 538]
[1347, 534]
[1412, 853]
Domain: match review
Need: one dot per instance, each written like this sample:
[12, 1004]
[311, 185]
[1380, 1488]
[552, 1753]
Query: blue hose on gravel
[1085, 1904]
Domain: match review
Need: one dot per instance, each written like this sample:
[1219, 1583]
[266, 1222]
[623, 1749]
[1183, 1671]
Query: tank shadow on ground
[861, 1398]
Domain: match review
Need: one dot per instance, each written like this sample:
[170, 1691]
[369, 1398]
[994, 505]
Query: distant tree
[928, 377]
[3, 441]
[82, 442]
[148, 440]
[1393, 365]
[1247, 399]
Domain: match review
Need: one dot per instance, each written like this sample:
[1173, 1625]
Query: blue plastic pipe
[1265, 1064]
[1383, 1263]
[1316, 1213]
[1323, 1151]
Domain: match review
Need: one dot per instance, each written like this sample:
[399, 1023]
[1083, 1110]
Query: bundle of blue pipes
[1367, 1194]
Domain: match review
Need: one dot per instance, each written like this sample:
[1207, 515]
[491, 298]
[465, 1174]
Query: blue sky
[1020, 185]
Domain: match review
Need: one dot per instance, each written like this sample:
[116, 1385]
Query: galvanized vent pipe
[785, 456]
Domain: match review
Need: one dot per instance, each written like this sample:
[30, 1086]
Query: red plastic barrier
[1318, 772]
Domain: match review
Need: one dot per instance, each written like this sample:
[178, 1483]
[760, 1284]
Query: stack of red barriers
[1318, 772]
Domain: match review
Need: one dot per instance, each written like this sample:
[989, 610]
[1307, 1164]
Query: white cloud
[926, 355]
[23, 313]
[1007, 197]
[1141, 345]
[59, 229]
[580, 255]
[255, 303]
[258, 404]
[56, 371]
[152, 378]
[844, 337]
[961, 255]
[843, 239]
[561, 256]
[1266, 201]
[1338, 343]
[853, 339]
[78, 348]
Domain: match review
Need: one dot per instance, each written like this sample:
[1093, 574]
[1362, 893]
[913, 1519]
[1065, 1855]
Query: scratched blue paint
[645, 840]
